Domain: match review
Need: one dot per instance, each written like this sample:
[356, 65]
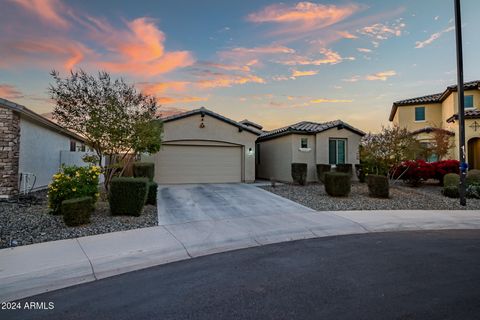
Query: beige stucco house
[427, 114]
[313, 143]
[201, 146]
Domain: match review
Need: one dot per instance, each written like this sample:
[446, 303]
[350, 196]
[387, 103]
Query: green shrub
[473, 191]
[473, 177]
[345, 168]
[299, 173]
[451, 180]
[144, 170]
[321, 170]
[127, 195]
[337, 184]
[378, 186]
[450, 191]
[360, 171]
[77, 211]
[152, 193]
[72, 182]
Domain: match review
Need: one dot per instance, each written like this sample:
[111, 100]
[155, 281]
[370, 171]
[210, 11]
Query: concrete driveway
[210, 218]
[207, 202]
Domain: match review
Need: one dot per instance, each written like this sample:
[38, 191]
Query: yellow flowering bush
[73, 182]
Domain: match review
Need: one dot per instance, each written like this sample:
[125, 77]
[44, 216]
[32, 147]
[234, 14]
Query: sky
[274, 63]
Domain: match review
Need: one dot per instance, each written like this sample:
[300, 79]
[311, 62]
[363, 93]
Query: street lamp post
[461, 106]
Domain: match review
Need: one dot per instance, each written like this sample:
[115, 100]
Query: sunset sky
[275, 63]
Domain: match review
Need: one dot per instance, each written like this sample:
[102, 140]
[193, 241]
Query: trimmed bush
[299, 173]
[473, 177]
[360, 171]
[451, 192]
[337, 184]
[77, 211]
[144, 170]
[451, 180]
[345, 168]
[450, 185]
[473, 191]
[127, 195]
[152, 193]
[321, 170]
[378, 186]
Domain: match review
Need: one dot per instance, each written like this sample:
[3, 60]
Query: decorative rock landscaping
[425, 197]
[27, 224]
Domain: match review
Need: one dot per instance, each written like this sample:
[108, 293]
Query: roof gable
[432, 98]
[308, 127]
[203, 110]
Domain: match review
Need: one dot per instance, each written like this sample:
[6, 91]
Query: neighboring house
[425, 115]
[32, 148]
[333, 142]
[201, 146]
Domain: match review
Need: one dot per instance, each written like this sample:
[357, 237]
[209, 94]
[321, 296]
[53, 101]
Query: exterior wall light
[250, 151]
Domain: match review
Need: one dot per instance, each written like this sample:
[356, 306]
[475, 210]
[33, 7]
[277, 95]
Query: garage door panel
[198, 164]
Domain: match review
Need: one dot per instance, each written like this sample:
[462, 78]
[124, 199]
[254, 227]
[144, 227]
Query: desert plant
[299, 173]
[473, 177]
[321, 170]
[345, 168]
[144, 170]
[72, 182]
[77, 211]
[378, 186]
[127, 195]
[337, 184]
[152, 193]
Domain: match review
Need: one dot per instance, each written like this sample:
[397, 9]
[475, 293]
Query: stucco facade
[441, 112]
[206, 132]
[276, 154]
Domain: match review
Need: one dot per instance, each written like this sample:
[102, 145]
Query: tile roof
[469, 114]
[204, 110]
[432, 129]
[432, 98]
[308, 127]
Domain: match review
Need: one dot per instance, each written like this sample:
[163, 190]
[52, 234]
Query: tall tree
[115, 120]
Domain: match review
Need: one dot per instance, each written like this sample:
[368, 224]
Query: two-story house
[424, 115]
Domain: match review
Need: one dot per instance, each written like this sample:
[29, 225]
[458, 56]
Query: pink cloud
[304, 16]
[47, 10]
[154, 88]
[329, 57]
[8, 91]
[180, 99]
[140, 50]
[217, 79]
[382, 76]
[326, 100]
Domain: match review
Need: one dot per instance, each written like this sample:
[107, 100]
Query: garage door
[198, 164]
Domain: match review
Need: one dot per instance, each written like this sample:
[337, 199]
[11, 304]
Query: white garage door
[198, 164]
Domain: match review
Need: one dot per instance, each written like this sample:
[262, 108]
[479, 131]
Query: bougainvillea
[415, 171]
[445, 166]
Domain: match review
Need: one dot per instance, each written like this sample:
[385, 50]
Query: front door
[474, 153]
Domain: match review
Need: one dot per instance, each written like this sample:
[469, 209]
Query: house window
[73, 146]
[304, 143]
[337, 151]
[468, 101]
[81, 148]
[420, 114]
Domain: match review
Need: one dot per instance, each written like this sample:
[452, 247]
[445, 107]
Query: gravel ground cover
[22, 224]
[426, 197]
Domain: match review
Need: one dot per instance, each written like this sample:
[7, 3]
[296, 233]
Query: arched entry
[474, 153]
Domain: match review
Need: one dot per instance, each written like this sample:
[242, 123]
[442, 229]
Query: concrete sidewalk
[33, 269]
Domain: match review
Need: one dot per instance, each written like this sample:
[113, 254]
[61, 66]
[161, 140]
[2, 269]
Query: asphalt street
[404, 275]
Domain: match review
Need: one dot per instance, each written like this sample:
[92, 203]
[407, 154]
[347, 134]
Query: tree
[380, 152]
[442, 143]
[115, 120]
